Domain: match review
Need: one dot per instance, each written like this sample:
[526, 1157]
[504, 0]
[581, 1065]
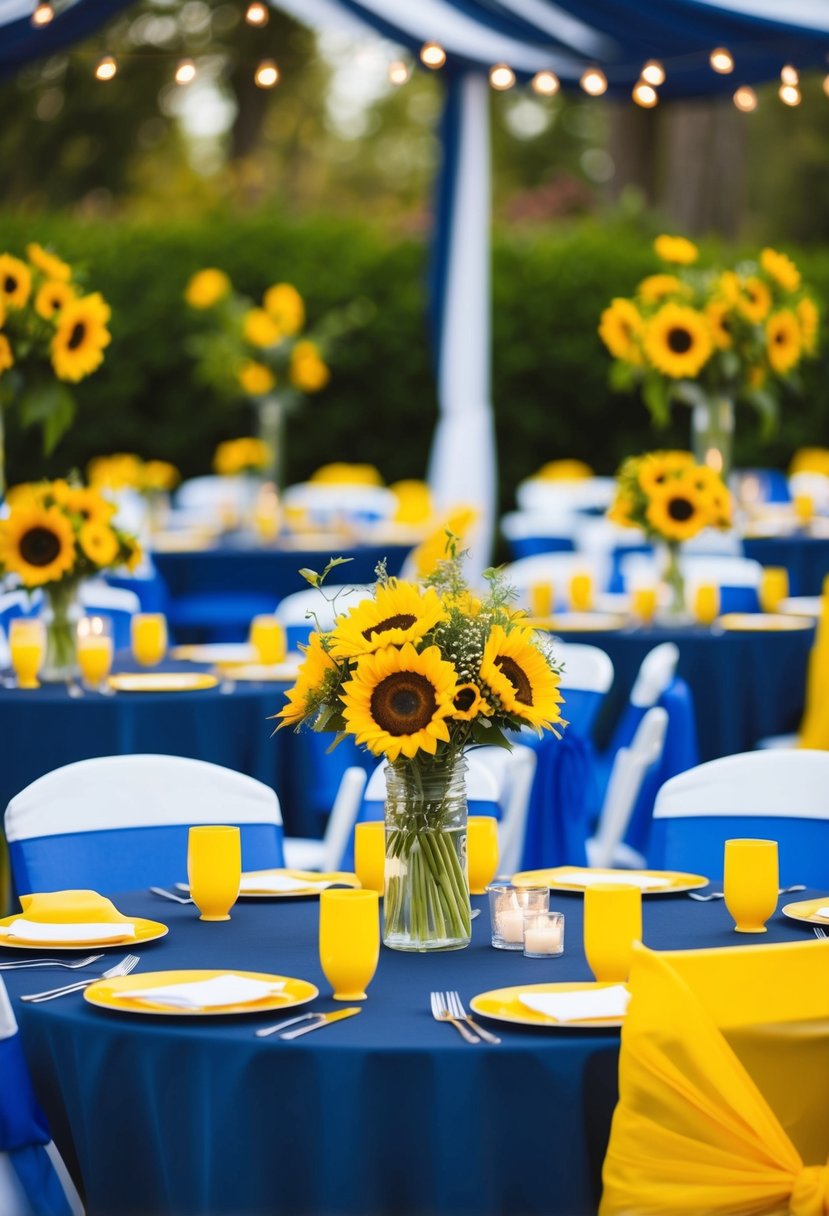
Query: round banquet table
[745, 686]
[388, 1112]
[805, 557]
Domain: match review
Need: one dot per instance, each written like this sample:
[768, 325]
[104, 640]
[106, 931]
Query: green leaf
[622, 377]
[765, 404]
[655, 395]
[335, 561]
[485, 733]
[311, 576]
[50, 406]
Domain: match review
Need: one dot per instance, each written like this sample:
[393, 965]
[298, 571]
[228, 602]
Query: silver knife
[324, 1019]
[264, 1031]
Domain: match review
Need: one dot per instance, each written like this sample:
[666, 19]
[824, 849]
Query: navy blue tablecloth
[805, 557]
[389, 1112]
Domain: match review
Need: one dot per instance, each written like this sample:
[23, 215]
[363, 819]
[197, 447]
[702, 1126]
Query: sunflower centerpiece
[55, 536]
[712, 337]
[671, 498]
[417, 674]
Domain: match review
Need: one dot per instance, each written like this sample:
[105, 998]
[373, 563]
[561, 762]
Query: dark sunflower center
[77, 336]
[403, 703]
[9, 284]
[39, 546]
[679, 340]
[517, 678]
[402, 620]
[780, 337]
[464, 699]
[680, 509]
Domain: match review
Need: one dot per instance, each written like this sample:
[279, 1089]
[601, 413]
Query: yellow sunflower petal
[37, 544]
[400, 612]
[520, 678]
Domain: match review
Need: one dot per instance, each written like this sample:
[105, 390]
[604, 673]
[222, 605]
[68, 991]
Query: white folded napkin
[52, 931]
[587, 878]
[226, 989]
[580, 1005]
[279, 883]
[824, 912]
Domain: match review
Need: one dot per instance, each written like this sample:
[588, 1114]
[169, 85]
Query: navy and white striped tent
[564, 37]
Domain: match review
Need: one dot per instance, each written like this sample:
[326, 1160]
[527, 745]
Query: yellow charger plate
[162, 681]
[341, 878]
[103, 993]
[761, 622]
[805, 911]
[503, 1005]
[550, 878]
[145, 931]
[282, 673]
[215, 652]
[580, 622]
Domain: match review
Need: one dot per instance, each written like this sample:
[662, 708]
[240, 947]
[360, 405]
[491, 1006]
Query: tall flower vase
[712, 433]
[674, 611]
[270, 420]
[426, 905]
[62, 609]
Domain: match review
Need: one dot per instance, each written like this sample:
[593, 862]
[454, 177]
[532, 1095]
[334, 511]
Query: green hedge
[550, 371]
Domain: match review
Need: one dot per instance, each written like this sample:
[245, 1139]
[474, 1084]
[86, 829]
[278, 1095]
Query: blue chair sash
[697, 844]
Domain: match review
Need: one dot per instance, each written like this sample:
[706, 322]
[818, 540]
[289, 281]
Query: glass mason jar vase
[62, 609]
[426, 905]
[712, 433]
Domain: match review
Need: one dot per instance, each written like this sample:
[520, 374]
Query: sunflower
[133, 553]
[99, 543]
[809, 318]
[92, 507]
[675, 249]
[316, 668]
[656, 287]
[469, 703]
[207, 288]
[238, 455]
[47, 263]
[80, 338]
[781, 268]
[520, 678]
[620, 329]
[713, 494]
[432, 550]
[783, 339]
[399, 613]
[717, 313]
[255, 378]
[51, 298]
[6, 356]
[121, 471]
[656, 468]
[308, 371]
[677, 510]
[728, 287]
[37, 544]
[259, 329]
[678, 341]
[755, 300]
[621, 510]
[15, 281]
[398, 701]
[284, 306]
[159, 475]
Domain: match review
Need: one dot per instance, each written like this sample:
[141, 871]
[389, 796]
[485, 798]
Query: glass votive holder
[508, 906]
[543, 934]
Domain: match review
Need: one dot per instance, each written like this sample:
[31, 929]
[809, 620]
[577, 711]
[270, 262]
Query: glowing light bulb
[789, 75]
[653, 73]
[257, 13]
[432, 55]
[546, 84]
[398, 72]
[826, 85]
[106, 69]
[594, 82]
[266, 75]
[501, 77]
[789, 94]
[745, 99]
[43, 14]
[721, 60]
[645, 95]
[185, 72]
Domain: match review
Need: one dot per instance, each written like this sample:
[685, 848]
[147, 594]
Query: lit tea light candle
[511, 924]
[543, 934]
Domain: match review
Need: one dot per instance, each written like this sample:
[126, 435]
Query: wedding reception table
[387, 1112]
[805, 557]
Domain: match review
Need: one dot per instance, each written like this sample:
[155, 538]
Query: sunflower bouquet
[709, 337]
[126, 471]
[55, 536]
[418, 673]
[51, 335]
[238, 456]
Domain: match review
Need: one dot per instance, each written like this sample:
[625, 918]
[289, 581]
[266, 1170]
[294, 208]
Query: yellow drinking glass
[94, 649]
[481, 851]
[774, 587]
[214, 869]
[267, 637]
[148, 635]
[541, 599]
[27, 645]
[581, 592]
[706, 603]
[349, 941]
[750, 883]
[804, 509]
[612, 923]
[643, 602]
[370, 855]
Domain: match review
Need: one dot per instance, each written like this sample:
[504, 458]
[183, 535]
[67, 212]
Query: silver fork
[440, 1012]
[704, 899]
[126, 965]
[819, 931]
[177, 899]
[18, 964]
[457, 1010]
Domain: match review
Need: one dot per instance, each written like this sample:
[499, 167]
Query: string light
[789, 75]
[432, 55]
[257, 14]
[501, 77]
[789, 94]
[106, 69]
[42, 15]
[645, 95]
[653, 73]
[398, 72]
[547, 84]
[266, 75]
[185, 72]
[745, 99]
[594, 82]
[826, 85]
[721, 60]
